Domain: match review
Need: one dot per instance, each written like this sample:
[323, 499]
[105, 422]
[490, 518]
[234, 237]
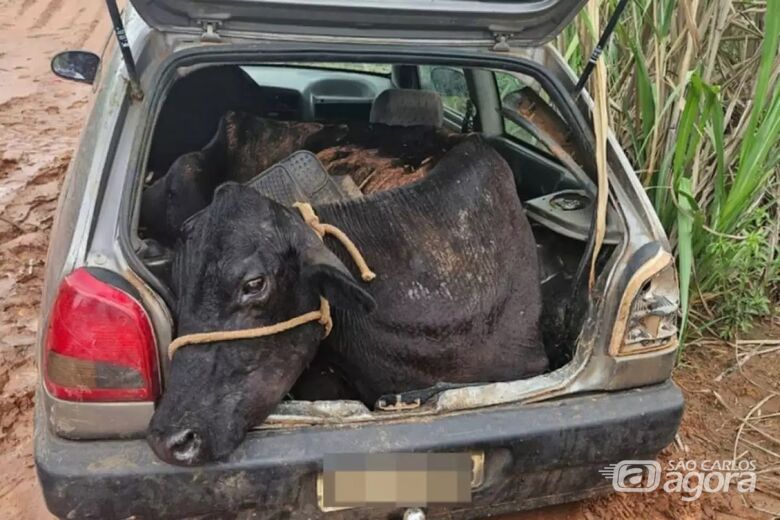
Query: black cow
[457, 298]
[243, 146]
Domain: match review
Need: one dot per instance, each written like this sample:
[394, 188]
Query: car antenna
[124, 47]
[594, 57]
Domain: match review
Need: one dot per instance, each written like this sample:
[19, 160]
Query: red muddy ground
[40, 118]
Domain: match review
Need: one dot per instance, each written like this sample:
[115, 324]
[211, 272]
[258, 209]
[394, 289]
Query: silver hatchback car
[106, 317]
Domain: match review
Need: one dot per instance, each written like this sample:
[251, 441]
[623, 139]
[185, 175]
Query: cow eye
[255, 286]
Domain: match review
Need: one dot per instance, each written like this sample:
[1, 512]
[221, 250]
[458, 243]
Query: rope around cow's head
[322, 315]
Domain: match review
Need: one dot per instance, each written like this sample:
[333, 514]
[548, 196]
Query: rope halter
[321, 315]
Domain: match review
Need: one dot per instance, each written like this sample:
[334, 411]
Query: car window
[450, 83]
[508, 83]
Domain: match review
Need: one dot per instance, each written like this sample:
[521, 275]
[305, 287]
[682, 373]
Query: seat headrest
[408, 107]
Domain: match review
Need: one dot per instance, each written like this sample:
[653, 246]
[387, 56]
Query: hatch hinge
[210, 34]
[502, 41]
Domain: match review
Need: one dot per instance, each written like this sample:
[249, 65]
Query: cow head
[243, 262]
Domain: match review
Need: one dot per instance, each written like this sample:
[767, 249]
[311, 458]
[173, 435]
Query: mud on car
[361, 97]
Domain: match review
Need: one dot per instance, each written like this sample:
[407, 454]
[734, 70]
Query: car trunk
[362, 159]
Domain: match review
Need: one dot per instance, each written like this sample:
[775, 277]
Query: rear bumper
[535, 455]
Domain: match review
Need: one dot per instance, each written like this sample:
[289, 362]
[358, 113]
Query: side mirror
[76, 65]
[449, 82]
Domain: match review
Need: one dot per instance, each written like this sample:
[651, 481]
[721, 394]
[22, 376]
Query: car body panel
[592, 368]
[527, 22]
[545, 437]
[533, 456]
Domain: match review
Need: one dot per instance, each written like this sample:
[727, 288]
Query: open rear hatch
[476, 22]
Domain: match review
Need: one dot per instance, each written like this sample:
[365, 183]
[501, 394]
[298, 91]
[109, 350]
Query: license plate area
[398, 479]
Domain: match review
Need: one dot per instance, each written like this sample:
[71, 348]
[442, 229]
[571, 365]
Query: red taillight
[99, 344]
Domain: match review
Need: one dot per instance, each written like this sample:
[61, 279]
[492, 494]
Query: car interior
[375, 101]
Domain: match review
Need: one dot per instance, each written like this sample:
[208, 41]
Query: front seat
[408, 124]
[408, 107]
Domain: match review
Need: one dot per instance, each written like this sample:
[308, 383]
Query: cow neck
[322, 315]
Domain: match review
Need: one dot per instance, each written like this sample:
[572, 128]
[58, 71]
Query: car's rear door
[480, 22]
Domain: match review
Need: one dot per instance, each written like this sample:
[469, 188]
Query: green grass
[695, 99]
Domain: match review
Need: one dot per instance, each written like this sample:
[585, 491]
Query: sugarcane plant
[694, 96]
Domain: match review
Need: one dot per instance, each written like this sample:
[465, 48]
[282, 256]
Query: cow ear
[336, 284]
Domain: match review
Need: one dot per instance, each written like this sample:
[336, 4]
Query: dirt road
[40, 118]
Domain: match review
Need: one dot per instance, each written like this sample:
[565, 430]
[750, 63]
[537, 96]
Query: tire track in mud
[24, 7]
[90, 35]
[51, 9]
[76, 16]
[40, 120]
[35, 12]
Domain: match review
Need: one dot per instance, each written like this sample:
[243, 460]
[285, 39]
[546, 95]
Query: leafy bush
[744, 271]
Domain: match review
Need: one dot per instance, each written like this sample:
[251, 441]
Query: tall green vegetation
[695, 98]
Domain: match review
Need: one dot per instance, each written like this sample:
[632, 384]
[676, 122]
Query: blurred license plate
[401, 479]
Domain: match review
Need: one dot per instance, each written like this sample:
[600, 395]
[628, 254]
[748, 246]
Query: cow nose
[184, 445]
